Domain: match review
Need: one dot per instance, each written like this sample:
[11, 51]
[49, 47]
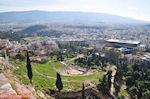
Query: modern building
[123, 43]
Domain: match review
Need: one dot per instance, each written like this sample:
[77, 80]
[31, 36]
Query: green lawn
[42, 82]
[95, 76]
[32, 38]
[48, 68]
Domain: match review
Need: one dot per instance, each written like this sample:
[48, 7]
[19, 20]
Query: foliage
[105, 84]
[137, 80]
[51, 32]
[12, 36]
[117, 88]
[92, 60]
[29, 69]
[135, 77]
[59, 83]
[120, 73]
[32, 29]
[61, 56]
[20, 56]
[83, 93]
[113, 56]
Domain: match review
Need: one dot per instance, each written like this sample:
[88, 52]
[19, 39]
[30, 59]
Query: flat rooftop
[123, 41]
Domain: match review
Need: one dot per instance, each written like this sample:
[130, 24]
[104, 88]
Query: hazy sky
[139, 9]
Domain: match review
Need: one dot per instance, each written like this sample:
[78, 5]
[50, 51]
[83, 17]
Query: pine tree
[29, 69]
[59, 83]
[83, 93]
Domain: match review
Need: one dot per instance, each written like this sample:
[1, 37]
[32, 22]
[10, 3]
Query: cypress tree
[83, 93]
[29, 69]
[59, 83]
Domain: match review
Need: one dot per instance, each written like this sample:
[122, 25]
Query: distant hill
[46, 16]
[40, 30]
[33, 29]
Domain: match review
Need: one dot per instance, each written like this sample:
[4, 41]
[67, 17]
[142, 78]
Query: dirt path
[112, 89]
[45, 75]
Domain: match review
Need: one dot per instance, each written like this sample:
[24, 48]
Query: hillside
[45, 16]
[33, 29]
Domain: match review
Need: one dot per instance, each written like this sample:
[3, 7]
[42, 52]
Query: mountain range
[62, 16]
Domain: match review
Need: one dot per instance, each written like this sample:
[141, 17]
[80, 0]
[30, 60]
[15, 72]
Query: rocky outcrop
[5, 86]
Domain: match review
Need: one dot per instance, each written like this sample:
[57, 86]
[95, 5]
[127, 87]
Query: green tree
[29, 69]
[113, 56]
[59, 83]
[83, 92]
[138, 80]
[105, 84]
[117, 88]
[20, 56]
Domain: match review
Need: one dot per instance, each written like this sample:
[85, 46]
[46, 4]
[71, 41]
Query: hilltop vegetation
[32, 29]
[11, 36]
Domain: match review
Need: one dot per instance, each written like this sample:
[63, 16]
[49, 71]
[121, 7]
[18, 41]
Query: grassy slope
[32, 38]
[42, 82]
